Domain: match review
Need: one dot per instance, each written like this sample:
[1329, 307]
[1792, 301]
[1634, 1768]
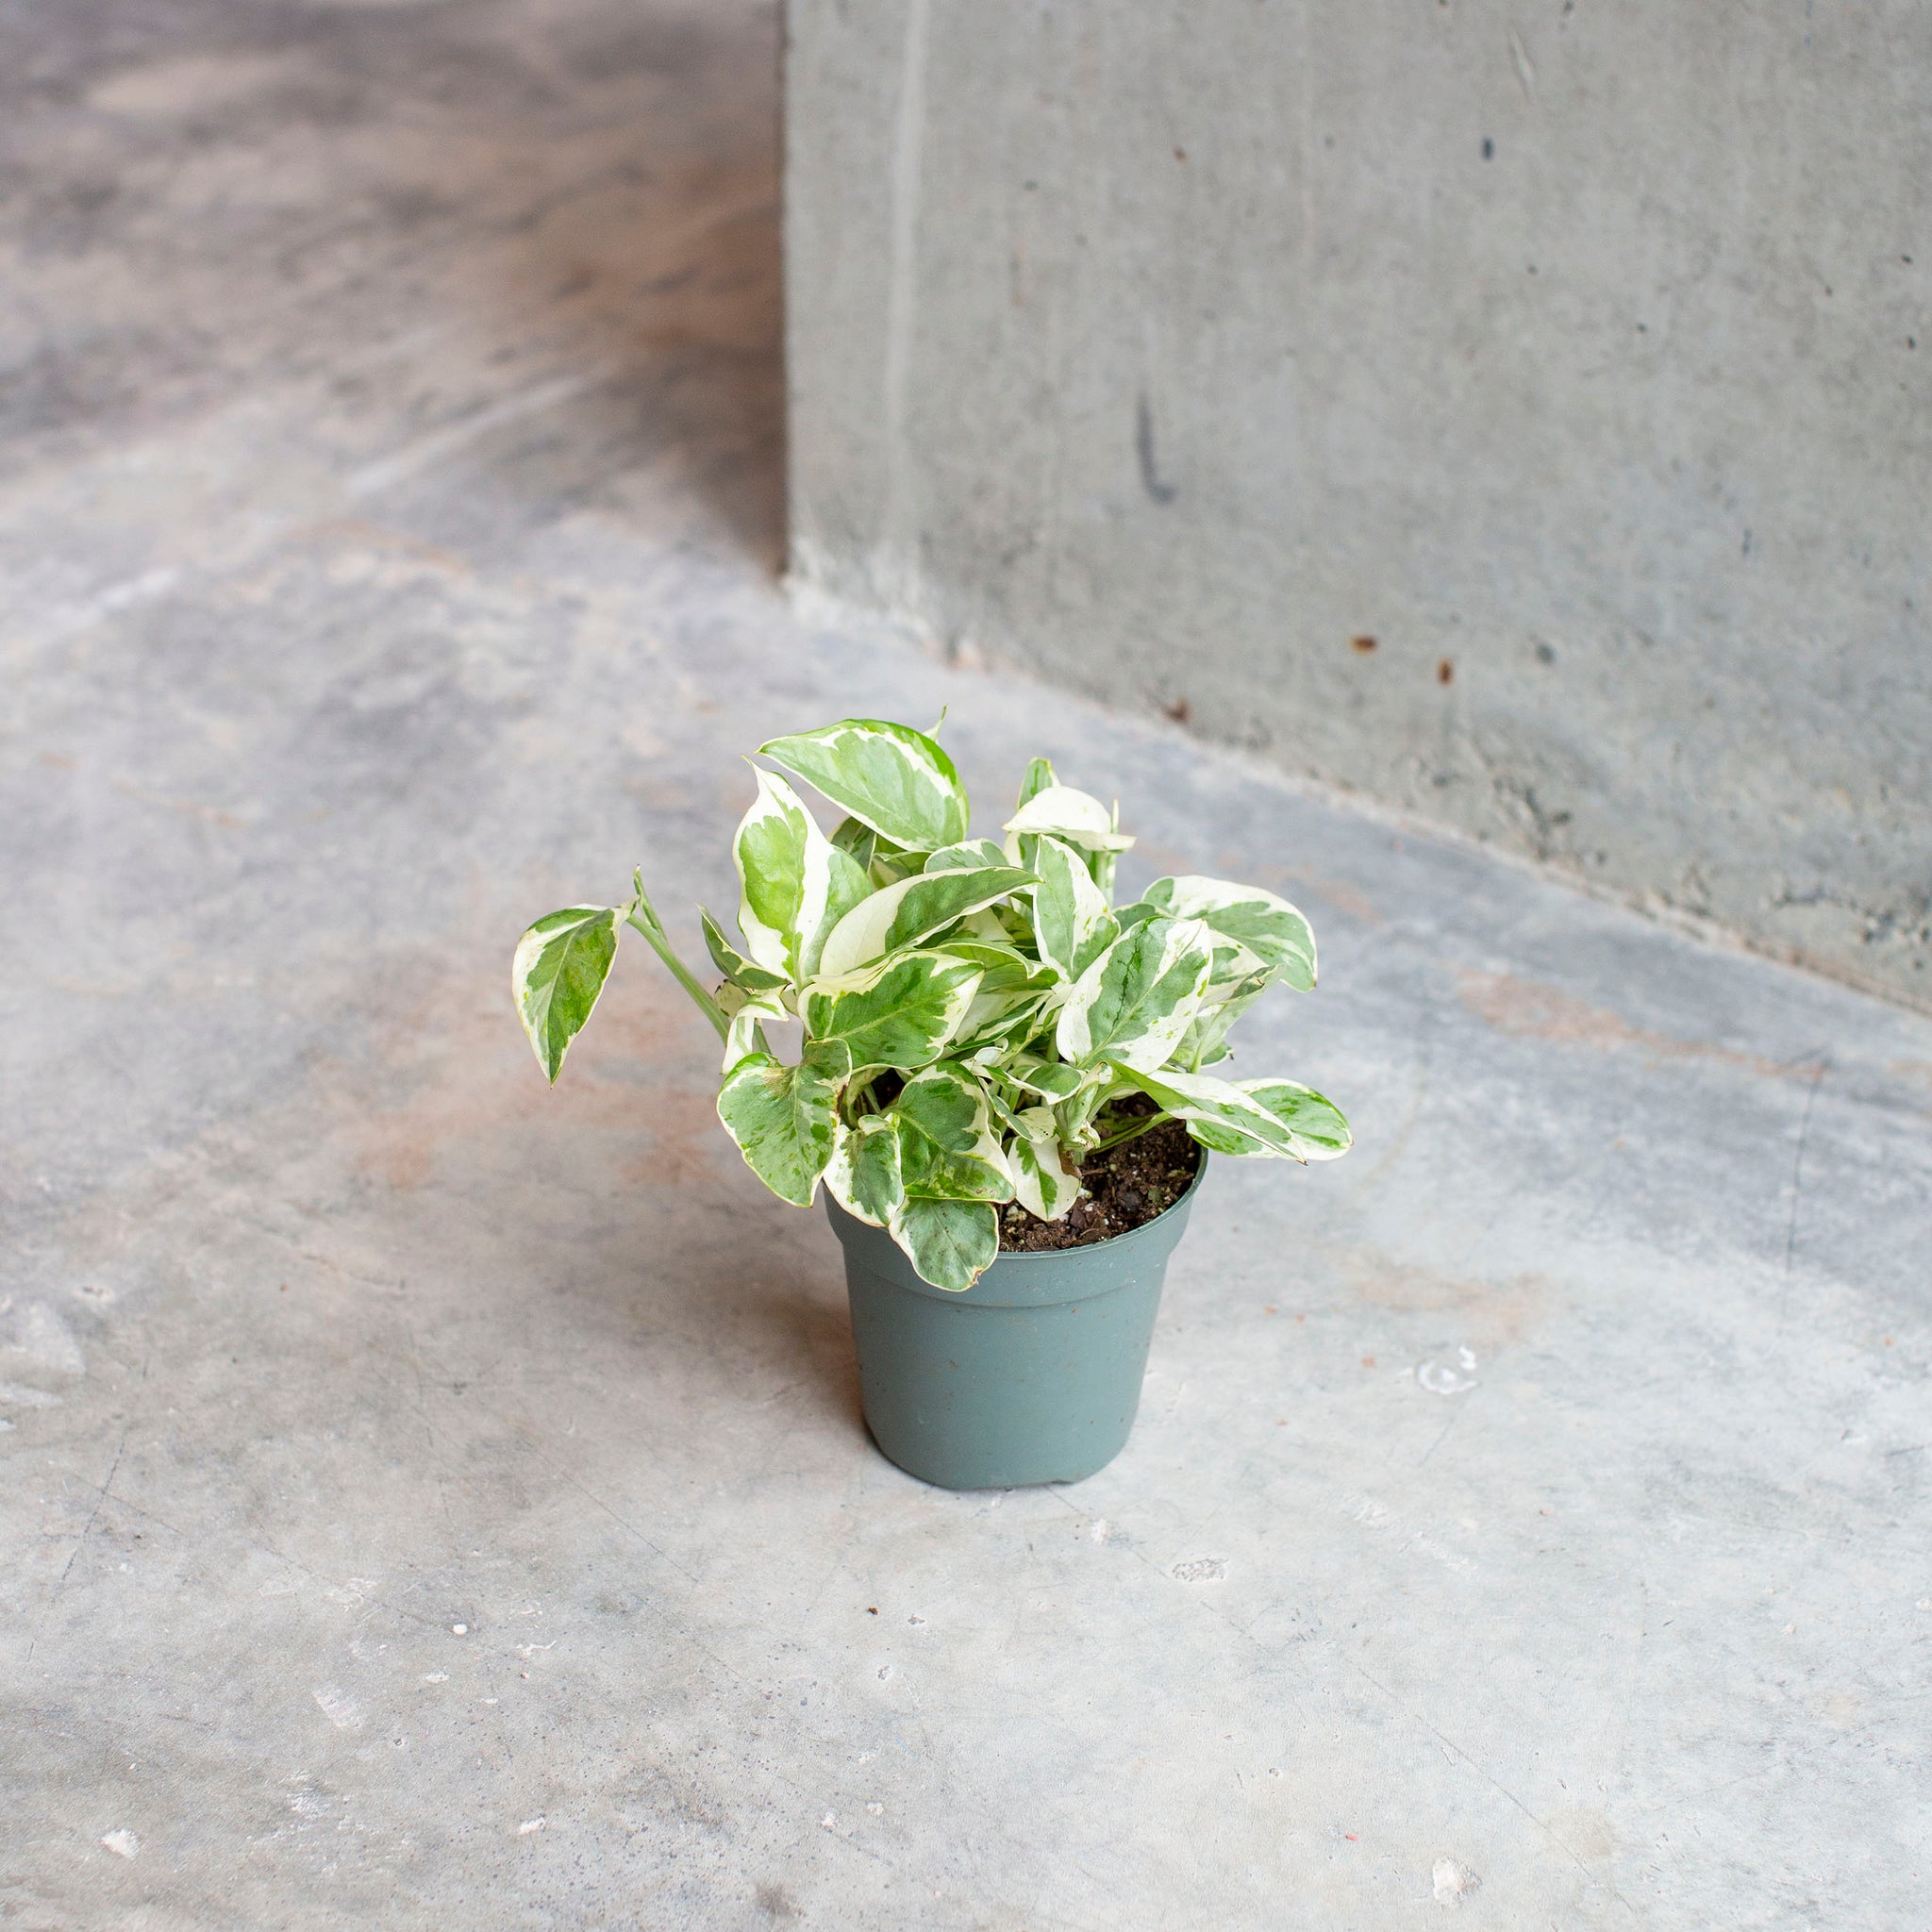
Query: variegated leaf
[912, 910]
[797, 885]
[900, 1013]
[559, 968]
[1072, 922]
[782, 1119]
[968, 855]
[1078, 817]
[1003, 968]
[947, 1150]
[1041, 1183]
[1133, 1003]
[1268, 928]
[1318, 1130]
[739, 971]
[994, 1017]
[1205, 1040]
[1219, 1114]
[891, 777]
[745, 1014]
[950, 1243]
[864, 1174]
[1038, 776]
[1050, 1079]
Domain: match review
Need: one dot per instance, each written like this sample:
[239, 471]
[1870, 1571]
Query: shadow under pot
[1031, 1375]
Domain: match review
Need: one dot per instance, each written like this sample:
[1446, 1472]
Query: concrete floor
[433, 1501]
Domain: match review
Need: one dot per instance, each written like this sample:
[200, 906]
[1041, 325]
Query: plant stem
[643, 916]
[1134, 1132]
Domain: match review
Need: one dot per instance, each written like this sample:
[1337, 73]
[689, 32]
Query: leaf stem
[642, 915]
[1134, 1132]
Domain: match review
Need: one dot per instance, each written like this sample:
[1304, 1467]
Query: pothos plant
[973, 1012]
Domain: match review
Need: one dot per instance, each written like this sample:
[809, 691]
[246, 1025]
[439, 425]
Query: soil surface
[1127, 1186]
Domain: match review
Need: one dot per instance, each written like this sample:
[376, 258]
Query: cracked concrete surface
[435, 1500]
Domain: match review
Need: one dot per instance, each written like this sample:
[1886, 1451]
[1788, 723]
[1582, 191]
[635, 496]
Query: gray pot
[1031, 1375]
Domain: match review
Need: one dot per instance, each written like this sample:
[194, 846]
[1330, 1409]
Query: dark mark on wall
[1446, 672]
[1363, 643]
[1489, 149]
[1144, 448]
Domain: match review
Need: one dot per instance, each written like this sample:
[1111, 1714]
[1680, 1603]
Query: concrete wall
[1577, 354]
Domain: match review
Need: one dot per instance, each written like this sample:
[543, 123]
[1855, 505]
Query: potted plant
[998, 1076]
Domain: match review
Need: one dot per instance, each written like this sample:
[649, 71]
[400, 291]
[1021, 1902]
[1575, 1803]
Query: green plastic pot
[1031, 1375]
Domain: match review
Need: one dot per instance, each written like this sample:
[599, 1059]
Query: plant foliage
[971, 1013]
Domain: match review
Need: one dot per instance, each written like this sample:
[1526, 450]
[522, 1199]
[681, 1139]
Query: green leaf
[899, 1014]
[994, 1017]
[1050, 1079]
[1134, 1002]
[1205, 1040]
[745, 1014]
[1315, 1123]
[863, 1175]
[858, 838]
[786, 868]
[739, 971]
[915, 908]
[892, 778]
[951, 1243]
[1229, 1119]
[1041, 1183]
[1038, 776]
[1078, 817]
[783, 1120]
[558, 971]
[968, 855]
[947, 1151]
[1268, 928]
[1005, 968]
[881, 860]
[797, 884]
[1071, 918]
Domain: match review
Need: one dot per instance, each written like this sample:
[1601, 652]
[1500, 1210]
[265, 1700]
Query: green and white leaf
[1050, 1079]
[1003, 966]
[739, 971]
[783, 1121]
[950, 1243]
[1071, 921]
[1078, 817]
[891, 777]
[797, 885]
[558, 970]
[1205, 1040]
[748, 1013]
[970, 855]
[864, 1174]
[1220, 1115]
[899, 1012]
[1039, 778]
[1272, 933]
[913, 909]
[947, 1149]
[1315, 1123]
[1041, 1183]
[994, 1017]
[1134, 1002]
